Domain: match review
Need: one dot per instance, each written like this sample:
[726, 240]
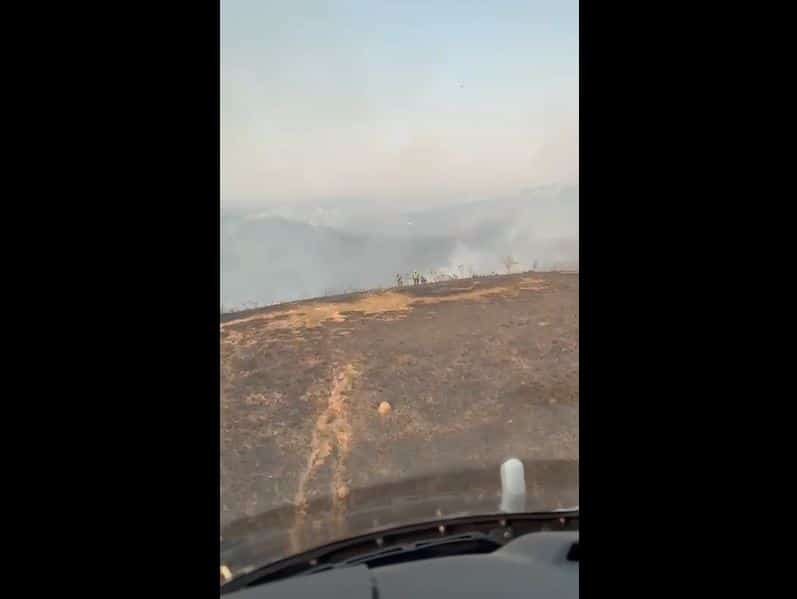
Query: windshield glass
[399, 263]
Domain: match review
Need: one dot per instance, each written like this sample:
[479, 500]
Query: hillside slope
[474, 371]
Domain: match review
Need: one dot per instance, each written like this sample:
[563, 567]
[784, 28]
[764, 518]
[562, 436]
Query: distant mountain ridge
[282, 253]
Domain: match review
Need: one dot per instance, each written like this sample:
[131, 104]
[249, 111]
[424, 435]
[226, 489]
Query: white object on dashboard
[513, 486]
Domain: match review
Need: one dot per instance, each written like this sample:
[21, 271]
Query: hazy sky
[398, 99]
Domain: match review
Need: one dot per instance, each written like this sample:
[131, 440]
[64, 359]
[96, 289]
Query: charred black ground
[474, 371]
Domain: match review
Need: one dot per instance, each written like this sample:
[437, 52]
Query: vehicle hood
[254, 542]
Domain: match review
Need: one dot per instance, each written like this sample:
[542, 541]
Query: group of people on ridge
[417, 279]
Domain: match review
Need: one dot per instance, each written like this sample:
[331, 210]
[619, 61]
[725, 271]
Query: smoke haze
[365, 138]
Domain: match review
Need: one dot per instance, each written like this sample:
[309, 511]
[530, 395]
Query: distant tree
[508, 262]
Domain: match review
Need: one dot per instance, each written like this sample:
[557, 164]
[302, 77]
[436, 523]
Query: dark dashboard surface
[540, 565]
